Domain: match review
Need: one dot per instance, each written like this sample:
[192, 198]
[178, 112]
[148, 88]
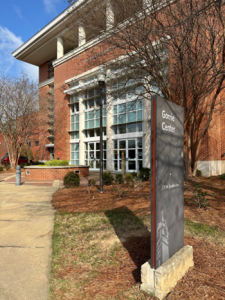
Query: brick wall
[43, 72]
[53, 173]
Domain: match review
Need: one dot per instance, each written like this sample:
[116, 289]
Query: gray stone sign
[167, 180]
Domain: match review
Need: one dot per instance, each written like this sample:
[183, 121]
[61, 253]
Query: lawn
[100, 242]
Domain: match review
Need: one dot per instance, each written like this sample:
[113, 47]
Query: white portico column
[60, 47]
[81, 34]
[81, 126]
[109, 109]
[110, 17]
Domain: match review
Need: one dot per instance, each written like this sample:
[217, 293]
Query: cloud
[18, 11]
[9, 42]
[50, 5]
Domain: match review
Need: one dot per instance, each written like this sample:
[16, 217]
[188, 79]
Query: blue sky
[19, 21]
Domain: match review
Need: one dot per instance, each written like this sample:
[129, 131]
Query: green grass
[89, 242]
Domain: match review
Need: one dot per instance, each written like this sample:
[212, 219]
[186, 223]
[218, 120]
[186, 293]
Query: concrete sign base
[162, 280]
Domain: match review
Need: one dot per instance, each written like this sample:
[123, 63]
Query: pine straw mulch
[138, 200]
[203, 281]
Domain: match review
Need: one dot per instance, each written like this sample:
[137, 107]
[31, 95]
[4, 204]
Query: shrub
[57, 163]
[199, 197]
[198, 173]
[91, 182]
[1, 168]
[119, 178]
[107, 178]
[71, 180]
[134, 174]
[37, 163]
[222, 176]
[7, 166]
[129, 178]
[144, 174]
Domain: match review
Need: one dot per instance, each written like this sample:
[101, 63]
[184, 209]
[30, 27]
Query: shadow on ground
[136, 242]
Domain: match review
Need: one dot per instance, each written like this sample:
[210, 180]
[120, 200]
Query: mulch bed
[78, 200]
[203, 281]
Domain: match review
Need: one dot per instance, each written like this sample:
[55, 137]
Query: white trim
[74, 142]
[48, 27]
[46, 82]
[94, 139]
[128, 135]
[49, 146]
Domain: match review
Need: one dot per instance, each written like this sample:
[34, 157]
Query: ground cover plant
[100, 243]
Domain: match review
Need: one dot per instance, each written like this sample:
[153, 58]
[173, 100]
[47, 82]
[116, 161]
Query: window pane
[122, 129]
[77, 118]
[97, 146]
[91, 146]
[139, 126]
[132, 154]
[97, 114]
[115, 144]
[122, 108]
[92, 133]
[91, 114]
[140, 165]
[131, 127]
[140, 115]
[86, 116]
[115, 109]
[104, 112]
[104, 145]
[122, 119]
[115, 165]
[91, 124]
[98, 154]
[132, 116]
[122, 144]
[97, 123]
[140, 154]
[131, 144]
[77, 126]
[131, 106]
[140, 104]
[76, 155]
[91, 104]
[139, 142]
[104, 121]
[131, 165]
[86, 125]
[97, 132]
[76, 147]
[115, 120]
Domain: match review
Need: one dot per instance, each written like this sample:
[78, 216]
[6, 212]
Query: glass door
[132, 150]
[92, 155]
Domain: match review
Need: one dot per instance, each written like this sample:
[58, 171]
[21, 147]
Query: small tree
[18, 113]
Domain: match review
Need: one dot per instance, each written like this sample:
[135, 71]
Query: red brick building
[69, 91]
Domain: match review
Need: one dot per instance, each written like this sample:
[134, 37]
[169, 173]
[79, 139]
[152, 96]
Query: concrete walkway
[26, 227]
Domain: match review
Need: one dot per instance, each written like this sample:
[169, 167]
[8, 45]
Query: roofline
[47, 27]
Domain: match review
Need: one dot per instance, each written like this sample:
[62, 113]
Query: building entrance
[92, 155]
[132, 149]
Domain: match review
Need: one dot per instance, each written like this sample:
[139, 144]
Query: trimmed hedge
[57, 163]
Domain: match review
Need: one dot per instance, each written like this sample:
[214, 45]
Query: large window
[74, 118]
[92, 155]
[128, 106]
[74, 154]
[92, 119]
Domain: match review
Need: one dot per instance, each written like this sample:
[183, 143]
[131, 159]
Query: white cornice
[46, 82]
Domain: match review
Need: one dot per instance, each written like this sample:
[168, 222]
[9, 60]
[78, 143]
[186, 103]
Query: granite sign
[167, 171]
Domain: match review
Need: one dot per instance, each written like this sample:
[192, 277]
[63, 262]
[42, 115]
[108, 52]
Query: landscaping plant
[57, 163]
[222, 176]
[119, 178]
[107, 178]
[198, 173]
[144, 174]
[200, 197]
[91, 182]
[7, 167]
[71, 180]
[1, 168]
[129, 178]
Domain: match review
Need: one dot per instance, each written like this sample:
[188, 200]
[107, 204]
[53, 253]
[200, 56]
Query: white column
[110, 17]
[81, 127]
[110, 162]
[81, 34]
[60, 47]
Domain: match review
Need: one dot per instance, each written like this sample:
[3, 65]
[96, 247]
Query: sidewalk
[26, 222]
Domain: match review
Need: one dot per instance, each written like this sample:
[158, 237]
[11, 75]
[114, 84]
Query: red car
[22, 159]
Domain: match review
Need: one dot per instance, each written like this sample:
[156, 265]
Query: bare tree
[177, 49]
[18, 113]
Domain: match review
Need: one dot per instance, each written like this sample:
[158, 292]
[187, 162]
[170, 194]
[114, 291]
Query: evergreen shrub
[129, 178]
[107, 178]
[119, 178]
[71, 180]
[144, 174]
